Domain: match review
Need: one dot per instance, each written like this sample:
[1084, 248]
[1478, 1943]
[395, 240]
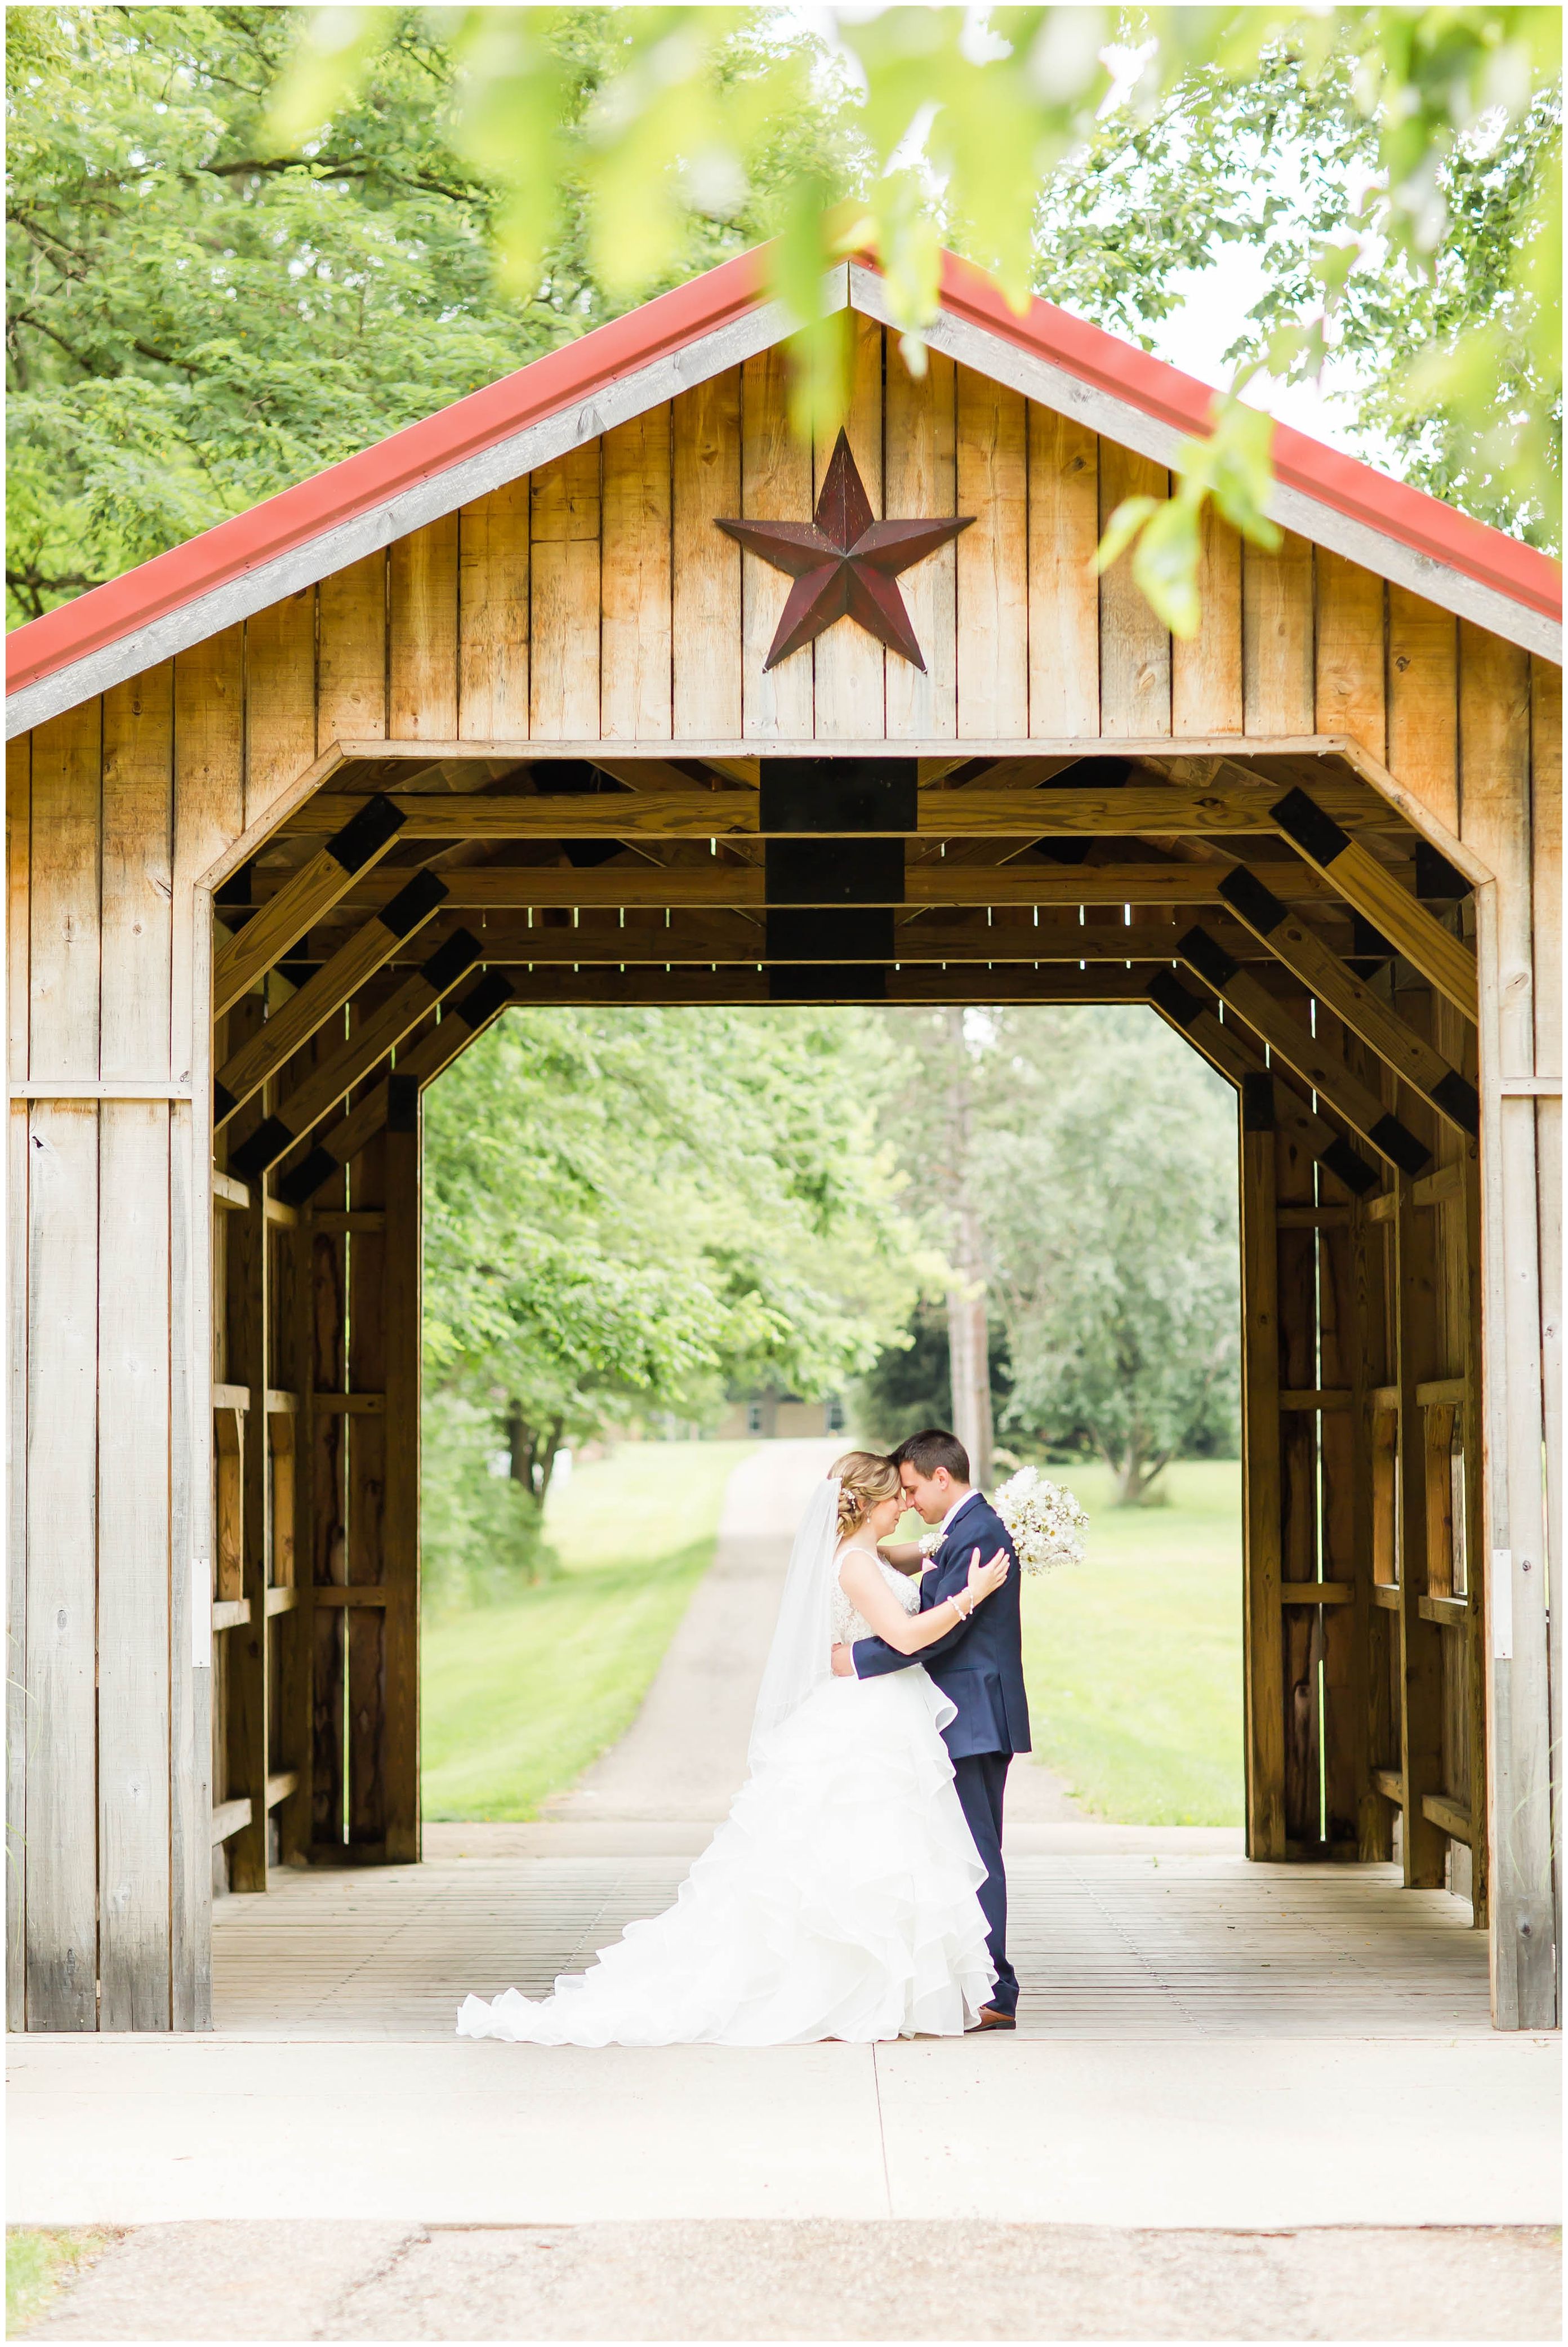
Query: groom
[978, 1666]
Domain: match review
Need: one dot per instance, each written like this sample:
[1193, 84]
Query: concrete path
[812, 2281]
[1224, 2132]
[683, 1760]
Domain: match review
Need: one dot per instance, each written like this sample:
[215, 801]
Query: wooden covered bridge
[538, 702]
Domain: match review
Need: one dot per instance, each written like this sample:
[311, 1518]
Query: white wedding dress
[838, 1900]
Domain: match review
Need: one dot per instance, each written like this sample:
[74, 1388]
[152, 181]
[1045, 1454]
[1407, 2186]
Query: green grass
[520, 1695]
[38, 2266]
[1133, 1658]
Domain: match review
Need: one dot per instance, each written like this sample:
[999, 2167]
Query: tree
[959, 118]
[627, 1211]
[1106, 1183]
[199, 317]
[245, 241]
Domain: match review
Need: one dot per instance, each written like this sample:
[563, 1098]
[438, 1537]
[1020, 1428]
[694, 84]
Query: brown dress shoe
[992, 2017]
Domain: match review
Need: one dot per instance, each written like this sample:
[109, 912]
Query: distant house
[776, 1415]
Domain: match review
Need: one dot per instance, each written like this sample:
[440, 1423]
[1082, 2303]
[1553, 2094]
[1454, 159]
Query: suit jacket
[978, 1666]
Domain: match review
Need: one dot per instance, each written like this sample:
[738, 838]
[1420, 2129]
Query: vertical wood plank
[1547, 871]
[493, 616]
[775, 485]
[1262, 1685]
[280, 699]
[421, 637]
[1350, 1807]
[134, 1957]
[190, 1585]
[705, 485]
[247, 1318]
[351, 654]
[18, 882]
[635, 683]
[1135, 648]
[850, 681]
[1206, 671]
[1277, 656]
[1300, 1552]
[1423, 701]
[64, 939]
[563, 683]
[1495, 818]
[18, 840]
[400, 1550]
[58, 1689]
[1420, 1642]
[1063, 593]
[1350, 693]
[327, 1432]
[209, 814]
[137, 886]
[993, 560]
[367, 1450]
[920, 474]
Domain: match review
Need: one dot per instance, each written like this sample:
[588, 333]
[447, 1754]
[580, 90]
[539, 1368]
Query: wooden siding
[595, 600]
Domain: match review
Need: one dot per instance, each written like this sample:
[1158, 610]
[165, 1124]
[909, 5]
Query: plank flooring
[1129, 1946]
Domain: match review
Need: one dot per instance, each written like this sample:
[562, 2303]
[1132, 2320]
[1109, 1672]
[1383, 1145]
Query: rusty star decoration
[844, 563]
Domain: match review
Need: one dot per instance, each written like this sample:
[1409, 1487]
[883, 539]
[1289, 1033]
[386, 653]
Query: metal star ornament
[844, 563]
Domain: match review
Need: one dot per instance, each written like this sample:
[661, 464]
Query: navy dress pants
[982, 1780]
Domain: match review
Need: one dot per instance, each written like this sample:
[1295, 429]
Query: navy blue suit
[978, 1666]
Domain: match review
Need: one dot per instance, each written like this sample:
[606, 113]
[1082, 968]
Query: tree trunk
[968, 1331]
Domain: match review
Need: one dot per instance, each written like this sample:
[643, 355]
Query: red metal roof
[562, 378]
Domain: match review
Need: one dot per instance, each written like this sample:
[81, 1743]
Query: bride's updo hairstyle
[864, 1477]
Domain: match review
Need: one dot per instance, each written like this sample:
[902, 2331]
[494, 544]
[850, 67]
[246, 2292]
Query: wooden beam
[1055, 982]
[1263, 1679]
[738, 937]
[288, 1029]
[1420, 1661]
[371, 1041]
[1229, 1052]
[1332, 981]
[494, 887]
[328, 874]
[460, 1023]
[1301, 1049]
[1443, 962]
[1164, 810]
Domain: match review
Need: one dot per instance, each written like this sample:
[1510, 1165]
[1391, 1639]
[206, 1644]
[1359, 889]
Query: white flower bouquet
[1047, 1526]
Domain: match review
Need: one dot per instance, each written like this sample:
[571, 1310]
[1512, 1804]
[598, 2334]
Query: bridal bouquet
[1047, 1524]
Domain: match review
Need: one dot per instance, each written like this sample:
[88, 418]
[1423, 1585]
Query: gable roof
[682, 338]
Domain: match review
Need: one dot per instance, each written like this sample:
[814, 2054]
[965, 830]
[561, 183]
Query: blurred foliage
[628, 1211]
[960, 118]
[245, 241]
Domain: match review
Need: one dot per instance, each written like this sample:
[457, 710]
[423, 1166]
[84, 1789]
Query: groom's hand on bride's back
[842, 1662]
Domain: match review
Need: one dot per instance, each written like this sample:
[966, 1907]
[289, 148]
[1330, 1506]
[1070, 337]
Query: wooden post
[1349, 1806]
[246, 1697]
[1301, 1625]
[1497, 822]
[1414, 1296]
[326, 1498]
[400, 1543]
[1264, 1682]
[367, 1436]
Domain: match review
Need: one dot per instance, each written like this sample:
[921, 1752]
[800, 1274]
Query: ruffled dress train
[838, 1900]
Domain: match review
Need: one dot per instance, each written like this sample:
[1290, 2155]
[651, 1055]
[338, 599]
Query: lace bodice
[848, 1624]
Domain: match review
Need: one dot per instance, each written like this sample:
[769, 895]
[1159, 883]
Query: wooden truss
[1265, 906]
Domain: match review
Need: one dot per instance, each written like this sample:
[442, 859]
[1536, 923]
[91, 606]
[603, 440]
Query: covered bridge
[511, 708]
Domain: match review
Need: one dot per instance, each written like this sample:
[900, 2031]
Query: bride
[838, 1898]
